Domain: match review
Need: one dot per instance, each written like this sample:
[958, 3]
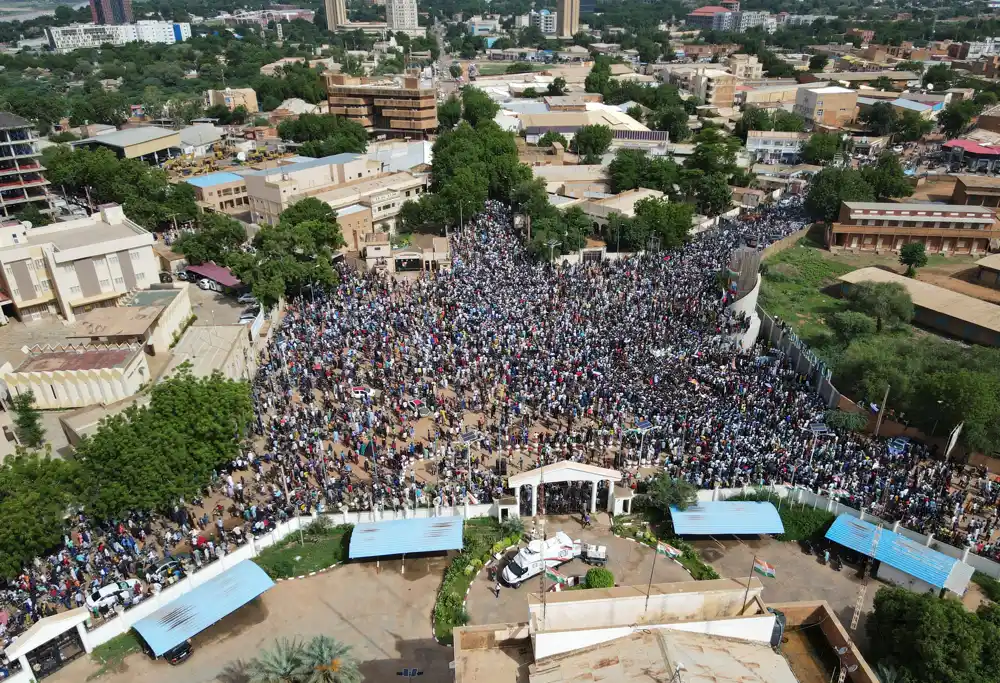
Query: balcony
[410, 113]
[407, 103]
[412, 125]
[347, 100]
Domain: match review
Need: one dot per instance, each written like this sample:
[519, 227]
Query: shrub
[801, 522]
[598, 577]
[989, 585]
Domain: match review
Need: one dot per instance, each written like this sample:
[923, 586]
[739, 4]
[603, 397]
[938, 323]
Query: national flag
[694, 382]
[668, 550]
[762, 567]
[556, 576]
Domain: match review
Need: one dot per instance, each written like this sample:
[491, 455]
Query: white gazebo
[564, 471]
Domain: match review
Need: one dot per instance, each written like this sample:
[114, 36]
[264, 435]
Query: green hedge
[481, 538]
[323, 546]
[801, 521]
[990, 586]
[599, 577]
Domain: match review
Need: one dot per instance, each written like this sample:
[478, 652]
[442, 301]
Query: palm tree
[887, 673]
[281, 664]
[329, 661]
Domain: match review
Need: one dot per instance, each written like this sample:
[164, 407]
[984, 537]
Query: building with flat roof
[401, 15]
[148, 143]
[899, 79]
[397, 107]
[535, 125]
[221, 192]
[829, 107]
[79, 36]
[71, 267]
[975, 190]
[77, 376]
[151, 318]
[775, 147]
[745, 67]
[231, 98]
[943, 228]
[336, 13]
[226, 348]
[22, 178]
[957, 315]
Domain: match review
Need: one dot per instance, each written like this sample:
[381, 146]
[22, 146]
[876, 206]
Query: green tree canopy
[664, 492]
[218, 236]
[324, 134]
[832, 186]
[712, 194]
[477, 106]
[913, 256]
[551, 137]
[674, 120]
[820, 148]
[887, 302]
[449, 113]
[593, 140]
[886, 178]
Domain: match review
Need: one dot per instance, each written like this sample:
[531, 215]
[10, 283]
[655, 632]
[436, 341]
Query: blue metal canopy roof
[193, 612]
[405, 536]
[213, 179]
[897, 551]
[726, 517]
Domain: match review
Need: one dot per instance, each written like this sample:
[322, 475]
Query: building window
[120, 281]
[16, 293]
[75, 289]
[46, 285]
[39, 263]
[134, 255]
[105, 284]
[113, 258]
[140, 276]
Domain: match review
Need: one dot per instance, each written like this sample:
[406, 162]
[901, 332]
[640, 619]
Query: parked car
[166, 277]
[108, 595]
[183, 275]
[897, 149]
[247, 299]
[178, 654]
[361, 392]
[167, 570]
[209, 285]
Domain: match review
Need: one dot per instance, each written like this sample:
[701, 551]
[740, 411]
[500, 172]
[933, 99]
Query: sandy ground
[384, 615]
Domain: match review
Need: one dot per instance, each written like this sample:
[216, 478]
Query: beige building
[336, 13]
[392, 106]
[340, 181]
[424, 253]
[745, 67]
[226, 348]
[153, 318]
[69, 268]
[567, 18]
[232, 98]
[77, 376]
[147, 143]
[829, 107]
[221, 192]
[355, 223]
[714, 87]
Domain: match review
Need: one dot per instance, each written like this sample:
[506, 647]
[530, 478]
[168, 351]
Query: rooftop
[777, 135]
[708, 10]
[123, 321]
[213, 179]
[202, 134]
[359, 189]
[832, 90]
[725, 517]
[934, 298]
[870, 75]
[71, 358]
[333, 160]
[403, 536]
[611, 117]
[8, 120]
[132, 136]
[911, 105]
[82, 232]
[950, 208]
[206, 348]
[978, 181]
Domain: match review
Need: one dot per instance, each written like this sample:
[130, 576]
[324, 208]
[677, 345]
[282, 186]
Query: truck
[538, 555]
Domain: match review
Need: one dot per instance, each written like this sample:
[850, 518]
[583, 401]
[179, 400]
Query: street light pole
[552, 244]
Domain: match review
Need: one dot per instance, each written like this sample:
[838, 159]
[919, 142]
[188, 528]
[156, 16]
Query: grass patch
[482, 537]
[990, 586]
[801, 521]
[324, 546]
[112, 654]
[648, 534]
[501, 68]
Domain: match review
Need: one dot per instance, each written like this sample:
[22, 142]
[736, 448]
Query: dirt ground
[384, 616]
[630, 563]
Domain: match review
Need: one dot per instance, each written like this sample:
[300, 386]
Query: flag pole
[746, 595]
[649, 586]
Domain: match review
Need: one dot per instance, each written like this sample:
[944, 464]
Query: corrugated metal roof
[131, 136]
[406, 536]
[896, 551]
[333, 160]
[193, 612]
[213, 179]
[727, 517]
[223, 276]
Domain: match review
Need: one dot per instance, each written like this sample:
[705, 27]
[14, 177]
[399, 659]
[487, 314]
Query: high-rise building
[336, 13]
[544, 20]
[395, 106]
[569, 17]
[111, 11]
[401, 15]
[77, 36]
[21, 179]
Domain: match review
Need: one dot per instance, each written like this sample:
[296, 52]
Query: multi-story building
[865, 34]
[401, 15]
[77, 36]
[830, 107]
[111, 11]
[398, 106]
[339, 181]
[69, 268]
[775, 147]
[22, 181]
[974, 190]
[569, 17]
[231, 98]
[221, 192]
[745, 67]
[483, 26]
[943, 228]
[974, 49]
[336, 13]
[711, 18]
[544, 20]
[746, 20]
[714, 86]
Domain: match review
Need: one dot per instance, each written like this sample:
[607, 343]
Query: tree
[477, 106]
[910, 126]
[282, 663]
[956, 117]
[557, 86]
[882, 83]
[324, 134]
[818, 62]
[27, 419]
[664, 492]
[669, 222]
[753, 119]
[880, 118]
[847, 421]
[939, 77]
[830, 188]
[32, 214]
[888, 302]
[983, 100]
[592, 140]
[674, 120]
[913, 256]
[330, 661]
[219, 235]
[788, 122]
[820, 148]
[599, 577]
[850, 324]
[712, 194]
[915, 66]
[551, 137]
[449, 113]
[455, 70]
[886, 178]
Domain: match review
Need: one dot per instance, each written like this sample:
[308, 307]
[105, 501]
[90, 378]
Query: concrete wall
[821, 615]
[784, 243]
[171, 320]
[801, 358]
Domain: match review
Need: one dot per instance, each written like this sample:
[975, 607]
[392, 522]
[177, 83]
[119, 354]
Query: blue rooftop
[212, 179]
[406, 536]
[344, 158]
[193, 612]
[727, 517]
[911, 105]
[901, 553]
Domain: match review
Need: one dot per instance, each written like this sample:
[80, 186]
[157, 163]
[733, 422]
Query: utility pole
[552, 244]
[881, 411]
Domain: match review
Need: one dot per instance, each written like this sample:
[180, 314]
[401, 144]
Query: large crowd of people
[429, 390]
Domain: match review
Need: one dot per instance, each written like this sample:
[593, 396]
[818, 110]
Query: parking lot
[214, 308]
[383, 615]
[630, 563]
[798, 576]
